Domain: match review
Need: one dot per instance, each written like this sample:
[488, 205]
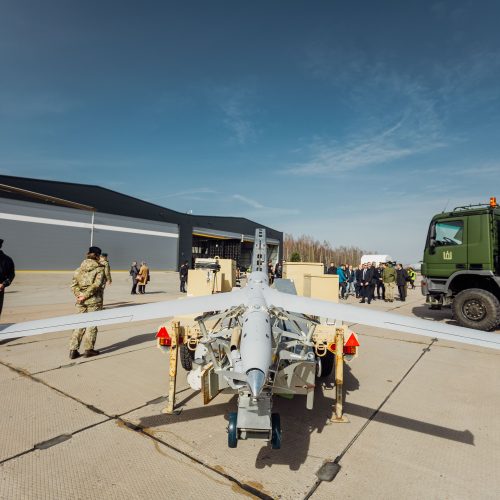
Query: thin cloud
[412, 122]
[262, 210]
[187, 193]
[248, 201]
[393, 143]
[237, 110]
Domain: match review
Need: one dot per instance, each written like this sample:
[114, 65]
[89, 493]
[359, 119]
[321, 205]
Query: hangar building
[49, 225]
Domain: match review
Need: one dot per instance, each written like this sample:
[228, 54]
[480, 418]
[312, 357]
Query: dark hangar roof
[111, 202]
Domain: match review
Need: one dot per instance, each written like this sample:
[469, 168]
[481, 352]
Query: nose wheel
[232, 430]
[275, 431]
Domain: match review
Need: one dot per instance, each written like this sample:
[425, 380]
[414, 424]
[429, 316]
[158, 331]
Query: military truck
[461, 265]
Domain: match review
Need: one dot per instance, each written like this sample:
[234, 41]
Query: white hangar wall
[46, 237]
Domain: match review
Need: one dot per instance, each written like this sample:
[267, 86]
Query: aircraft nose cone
[256, 380]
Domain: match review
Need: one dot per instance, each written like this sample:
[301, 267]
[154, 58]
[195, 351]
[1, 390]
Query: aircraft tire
[275, 431]
[186, 357]
[232, 430]
[476, 308]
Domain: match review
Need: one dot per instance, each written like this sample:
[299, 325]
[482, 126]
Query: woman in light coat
[143, 277]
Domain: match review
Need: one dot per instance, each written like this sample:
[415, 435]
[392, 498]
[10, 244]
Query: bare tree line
[311, 250]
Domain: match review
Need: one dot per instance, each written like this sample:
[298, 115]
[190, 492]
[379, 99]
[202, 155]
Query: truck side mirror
[432, 245]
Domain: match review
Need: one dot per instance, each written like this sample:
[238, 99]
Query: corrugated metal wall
[45, 237]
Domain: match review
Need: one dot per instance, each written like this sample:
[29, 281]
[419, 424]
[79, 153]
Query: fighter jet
[262, 342]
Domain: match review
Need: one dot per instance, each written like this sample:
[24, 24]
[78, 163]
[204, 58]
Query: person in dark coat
[366, 284]
[7, 274]
[134, 271]
[357, 280]
[401, 278]
[183, 276]
[278, 270]
[375, 278]
[380, 282]
[332, 269]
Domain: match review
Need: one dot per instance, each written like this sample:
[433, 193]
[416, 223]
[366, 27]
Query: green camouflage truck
[461, 265]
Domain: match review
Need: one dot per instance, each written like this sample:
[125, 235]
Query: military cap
[95, 250]
[104, 254]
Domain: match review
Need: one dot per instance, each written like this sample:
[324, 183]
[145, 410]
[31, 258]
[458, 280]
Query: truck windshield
[449, 233]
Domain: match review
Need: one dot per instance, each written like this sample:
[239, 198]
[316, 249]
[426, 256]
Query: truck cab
[461, 265]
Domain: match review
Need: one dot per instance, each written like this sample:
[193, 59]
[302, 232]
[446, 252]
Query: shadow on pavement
[211, 410]
[298, 423]
[443, 315]
[138, 339]
[465, 437]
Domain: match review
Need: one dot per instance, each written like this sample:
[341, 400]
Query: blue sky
[352, 122]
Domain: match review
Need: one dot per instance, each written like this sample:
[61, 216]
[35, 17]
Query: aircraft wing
[164, 309]
[379, 319]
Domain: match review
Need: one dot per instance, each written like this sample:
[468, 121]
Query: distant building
[48, 225]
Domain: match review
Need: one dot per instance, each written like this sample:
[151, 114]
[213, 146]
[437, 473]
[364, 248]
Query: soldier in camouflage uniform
[107, 271]
[87, 286]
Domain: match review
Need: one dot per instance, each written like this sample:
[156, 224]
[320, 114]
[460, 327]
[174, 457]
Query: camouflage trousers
[389, 290]
[90, 338]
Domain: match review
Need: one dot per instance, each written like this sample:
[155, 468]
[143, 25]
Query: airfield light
[163, 337]
[493, 202]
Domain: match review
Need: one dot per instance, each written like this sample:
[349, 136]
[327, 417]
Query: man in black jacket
[357, 280]
[332, 269]
[380, 282]
[366, 284]
[7, 273]
[401, 276]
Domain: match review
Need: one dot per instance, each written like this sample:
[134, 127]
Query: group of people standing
[369, 279]
[275, 272]
[140, 277]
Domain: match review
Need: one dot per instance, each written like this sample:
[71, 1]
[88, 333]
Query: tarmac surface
[423, 415]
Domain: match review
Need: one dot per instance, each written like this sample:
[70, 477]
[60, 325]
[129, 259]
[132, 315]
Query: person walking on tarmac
[87, 286]
[183, 276]
[7, 274]
[412, 276]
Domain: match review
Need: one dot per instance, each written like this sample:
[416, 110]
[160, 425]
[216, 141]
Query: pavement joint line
[371, 418]
[243, 486]
[90, 407]
[49, 443]
[131, 426]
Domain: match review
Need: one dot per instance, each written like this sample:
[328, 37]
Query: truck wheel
[186, 357]
[476, 308]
